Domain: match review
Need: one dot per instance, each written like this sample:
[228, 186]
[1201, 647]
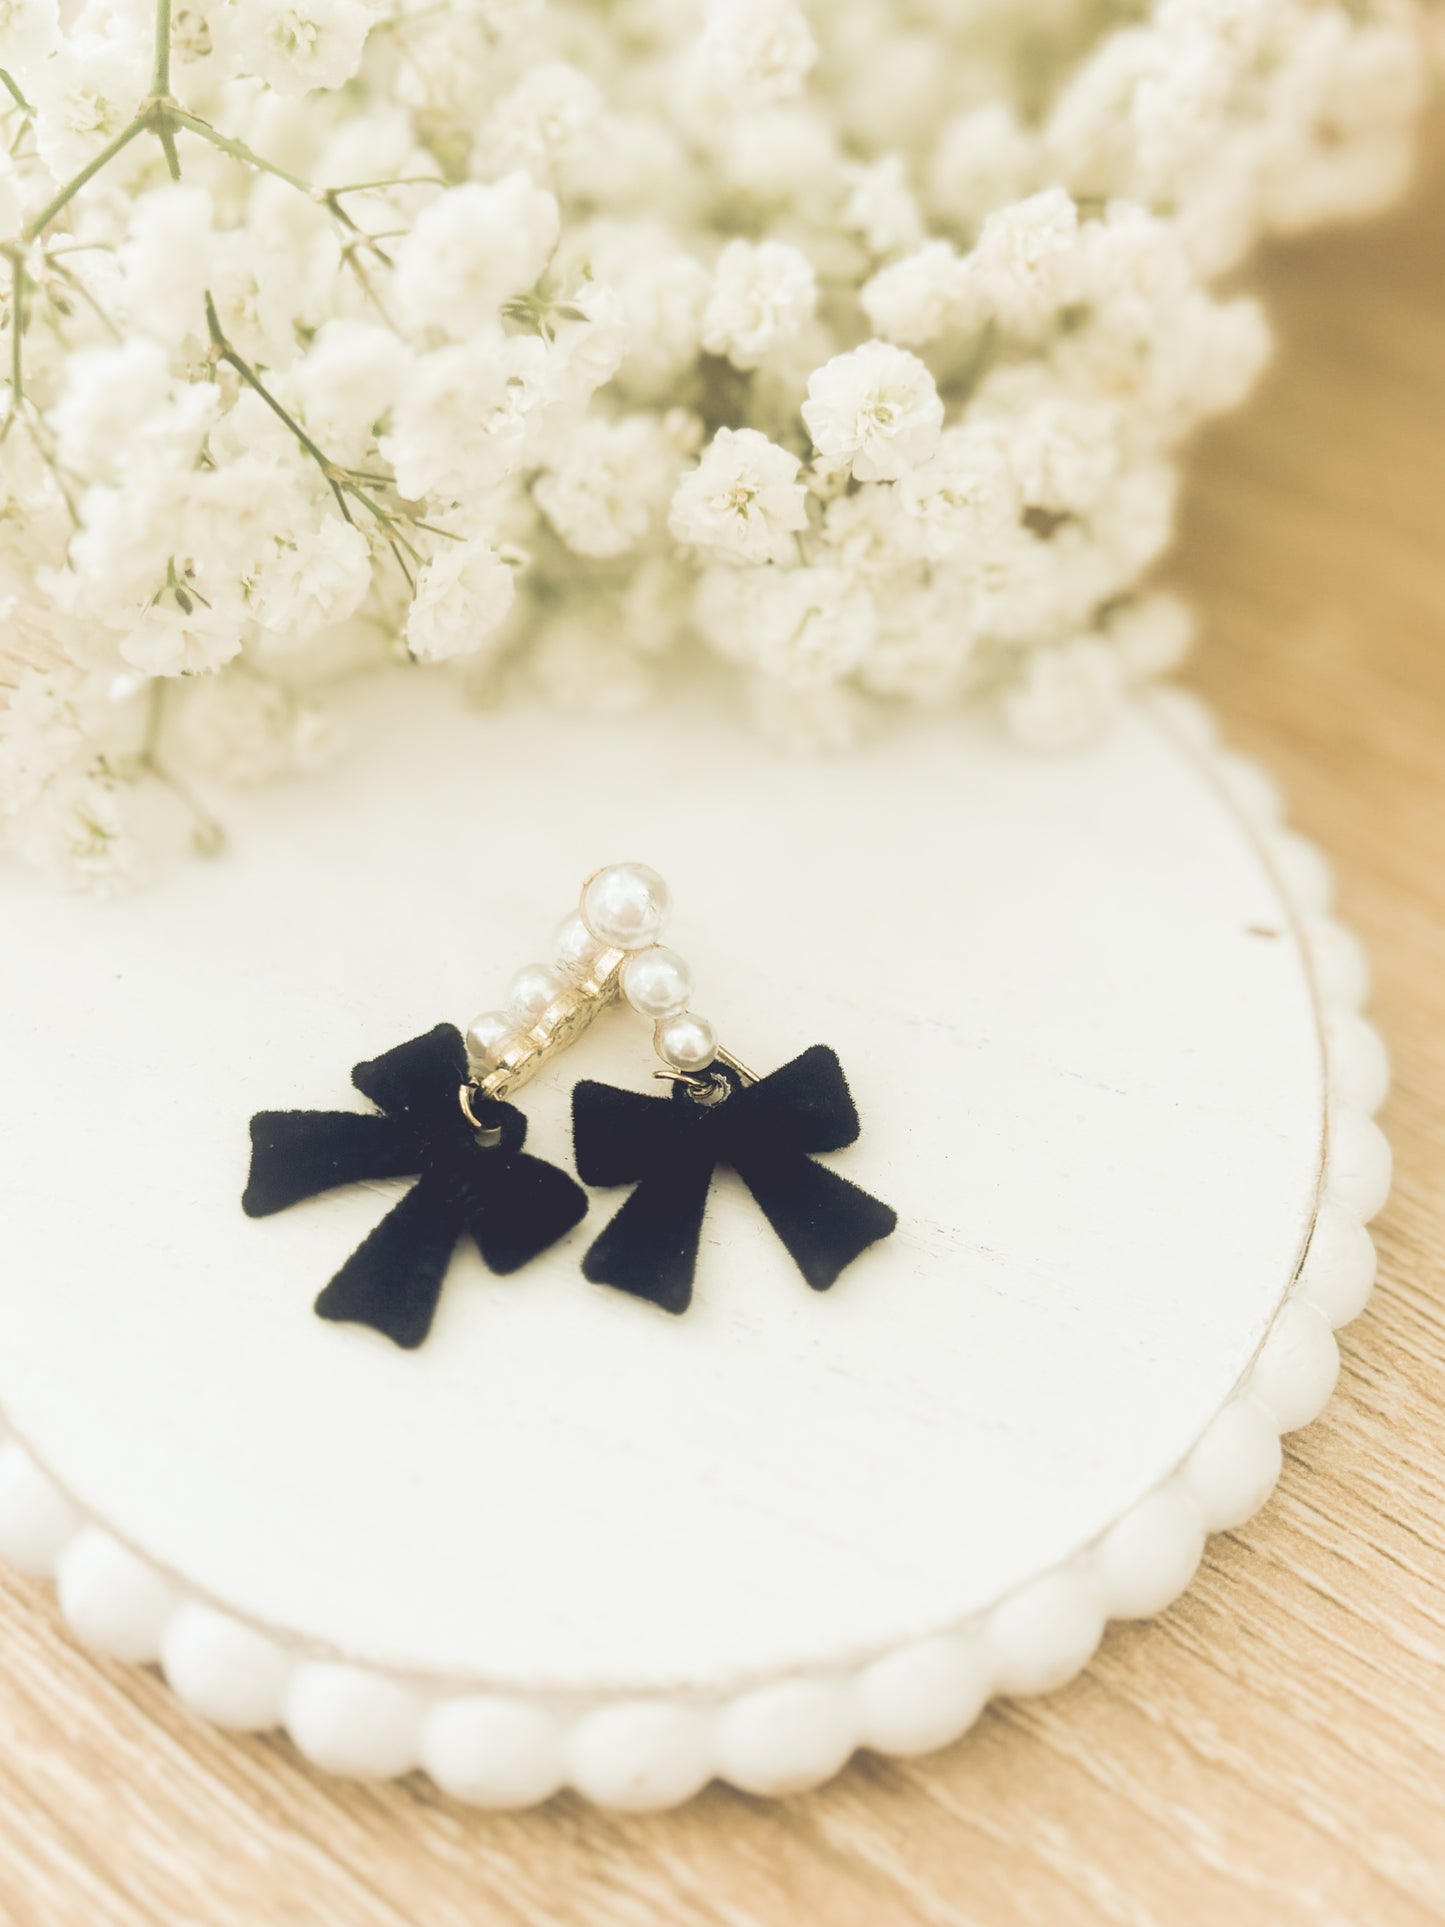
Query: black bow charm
[670, 1146]
[513, 1205]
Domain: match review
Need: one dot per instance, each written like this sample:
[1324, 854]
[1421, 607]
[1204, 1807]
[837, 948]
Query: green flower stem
[168, 148]
[82, 293]
[340, 480]
[207, 836]
[17, 330]
[143, 120]
[7, 81]
[177, 117]
[369, 187]
[225, 352]
[161, 73]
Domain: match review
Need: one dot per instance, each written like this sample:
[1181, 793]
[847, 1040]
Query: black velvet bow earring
[766, 1128]
[444, 1121]
[472, 1177]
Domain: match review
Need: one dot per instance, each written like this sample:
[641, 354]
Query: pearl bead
[532, 989]
[487, 1037]
[656, 982]
[624, 906]
[574, 945]
[686, 1042]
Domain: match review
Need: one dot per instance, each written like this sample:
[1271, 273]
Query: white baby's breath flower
[311, 577]
[258, 310]
[1086, 138]
[45, 734]
[876, 409]
[743, 500]
[167, 257]
[612, 488]
[869, 532]
[782, 156]
[806, 626]
[80, 832]
[1132, 524]
[661, 292]
[546, 125]
[924, 295]
[965, 495]
[1062, 450]
[28, 31]
[166, 639]
[1019, 594]
[589, 335]
[463, 596]
[158, 566]
[926, 647]
[633, 163]
[84, 93]
[461, 416]
[347, 382]
[466, 287]
[1020, 264]
[470, 249]
[984, 159]
[111, 396]
[296, 46]
[1063, 696]
[247, 729]
[881, 208]
[762, 298]
[1151, 635]
[764, 45]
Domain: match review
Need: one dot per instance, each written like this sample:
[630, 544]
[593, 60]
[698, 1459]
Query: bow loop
[806, 1105]
[622, 1136]
[297, 1154]
[419, 1080]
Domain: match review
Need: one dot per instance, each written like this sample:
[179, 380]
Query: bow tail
[650, 1247]
[297, 1154]
[393, 1280]
[824, 1221]
[520, 1207]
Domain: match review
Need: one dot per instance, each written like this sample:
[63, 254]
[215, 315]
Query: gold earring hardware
[570, 1012]
[640, 901]
[704, 1084]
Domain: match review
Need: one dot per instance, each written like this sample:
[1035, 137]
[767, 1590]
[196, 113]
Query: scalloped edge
[788, 1734]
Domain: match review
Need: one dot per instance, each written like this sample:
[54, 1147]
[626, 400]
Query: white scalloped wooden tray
[1106, 1046]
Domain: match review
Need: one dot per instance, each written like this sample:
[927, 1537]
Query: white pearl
[656, 982]
[624, 906]
[686, 1042]
[487, 1037]
[574, 945]
[532, 989]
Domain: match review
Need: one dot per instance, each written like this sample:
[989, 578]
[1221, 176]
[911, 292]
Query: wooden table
[1272, 1750]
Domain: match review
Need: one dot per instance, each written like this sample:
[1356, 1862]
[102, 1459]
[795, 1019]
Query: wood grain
[1270, 1751]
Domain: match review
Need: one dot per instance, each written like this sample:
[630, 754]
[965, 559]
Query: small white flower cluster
[552, 342]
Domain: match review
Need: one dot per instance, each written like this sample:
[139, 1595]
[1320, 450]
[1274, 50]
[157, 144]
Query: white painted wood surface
[1084, 1047]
